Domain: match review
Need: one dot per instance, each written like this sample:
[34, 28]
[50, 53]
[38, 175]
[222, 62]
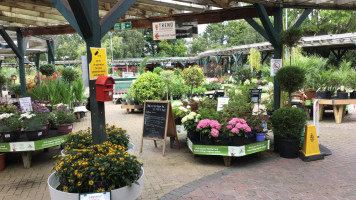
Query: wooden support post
[227, 161]
[26, 159]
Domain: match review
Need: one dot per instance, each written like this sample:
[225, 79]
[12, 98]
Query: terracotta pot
[64, 129]
[2, 161]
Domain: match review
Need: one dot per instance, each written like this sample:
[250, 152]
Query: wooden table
[339, 106]
[132, 107]
[78, 110]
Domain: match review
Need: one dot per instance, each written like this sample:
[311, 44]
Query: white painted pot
[130, 149]
[124, 193]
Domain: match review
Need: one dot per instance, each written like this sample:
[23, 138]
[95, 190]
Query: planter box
[124, 193]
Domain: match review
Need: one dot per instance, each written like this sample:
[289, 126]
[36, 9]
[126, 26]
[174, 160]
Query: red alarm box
[104, 88]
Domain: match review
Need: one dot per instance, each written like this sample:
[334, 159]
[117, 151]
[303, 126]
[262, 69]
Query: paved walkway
[180, 175]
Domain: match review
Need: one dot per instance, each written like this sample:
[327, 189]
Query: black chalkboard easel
[158, 123]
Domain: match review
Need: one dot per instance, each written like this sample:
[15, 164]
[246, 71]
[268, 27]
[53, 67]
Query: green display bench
[228, 151]
[26, 148]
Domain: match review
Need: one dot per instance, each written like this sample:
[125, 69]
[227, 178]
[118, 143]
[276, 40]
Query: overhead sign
[186, 28]
[98, 65]
[122, 26]
[164, 30]
[276, 64]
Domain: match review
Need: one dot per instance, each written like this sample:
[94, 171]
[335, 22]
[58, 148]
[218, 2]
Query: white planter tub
[124, 193]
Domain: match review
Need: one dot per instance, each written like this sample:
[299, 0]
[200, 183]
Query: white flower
[247, 82]
[193, 114]
[190, 117]
[177, 103]
[197, 98]
[27, 115]
[6, 115]
[188, 107]
[184, 119]
[183, 109]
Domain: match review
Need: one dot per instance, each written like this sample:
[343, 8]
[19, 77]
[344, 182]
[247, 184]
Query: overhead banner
[98, 65]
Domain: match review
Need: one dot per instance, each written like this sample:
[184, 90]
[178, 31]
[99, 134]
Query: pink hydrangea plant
[211, 127]
[238, 127]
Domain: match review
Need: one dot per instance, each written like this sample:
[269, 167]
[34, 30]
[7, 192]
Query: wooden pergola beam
[30, 17]
[171, 5]
[22, 21]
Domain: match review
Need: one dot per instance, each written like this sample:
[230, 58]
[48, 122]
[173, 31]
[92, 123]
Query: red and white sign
[276, 64]
[164, 30]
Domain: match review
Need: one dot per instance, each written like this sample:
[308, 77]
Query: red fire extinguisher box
[104, 88]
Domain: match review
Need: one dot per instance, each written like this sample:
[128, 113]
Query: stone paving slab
[180, 174]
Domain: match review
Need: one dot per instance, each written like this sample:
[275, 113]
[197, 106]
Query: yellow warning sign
[98, 64]
[310, 144]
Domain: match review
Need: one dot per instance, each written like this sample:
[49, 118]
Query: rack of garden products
[26, 147]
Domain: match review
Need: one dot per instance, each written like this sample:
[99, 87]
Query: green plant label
[257, 147]
[210, 150]
[50, 142]
[4, 147]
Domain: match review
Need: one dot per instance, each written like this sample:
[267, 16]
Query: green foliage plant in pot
[193, 77]
[290, 79]
[10, 126]
[208, 129]
[168, 77]
[42, 113]
[15, 90]
[148, 86]
[290, 38]
[190, 123]
[47, 69]
[69, 74]
[64, 119]
[288, 123]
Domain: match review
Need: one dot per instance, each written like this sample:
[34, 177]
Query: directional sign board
[276, 64]
[164, 30]
[122, 26]
[98, 65]
[186, 28]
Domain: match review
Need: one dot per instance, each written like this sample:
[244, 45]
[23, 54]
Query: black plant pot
[205, 140]
[288, 148]
[324, 95]
[10, 136]
[194, 136]
[342, 95]
[223, 140]
[178, 121]
[34, 135]
[353, 95]
[238, 140]
[275, 143]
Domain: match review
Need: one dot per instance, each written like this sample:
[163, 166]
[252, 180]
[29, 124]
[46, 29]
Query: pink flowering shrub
[209, 127]
[237, 126]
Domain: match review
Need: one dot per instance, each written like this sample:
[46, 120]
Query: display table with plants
[339, 107]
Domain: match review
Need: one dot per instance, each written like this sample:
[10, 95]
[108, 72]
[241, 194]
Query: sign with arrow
[164, 30]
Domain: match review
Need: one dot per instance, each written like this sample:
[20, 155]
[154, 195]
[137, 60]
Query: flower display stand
[228, 151]
[26, 148]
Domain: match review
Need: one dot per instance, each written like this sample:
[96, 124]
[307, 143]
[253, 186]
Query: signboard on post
[222, 101]
[186, 28]
[122, 26]
[25, 104]
[276, 64]
[164, 30]
[158, 123]
[98, 65]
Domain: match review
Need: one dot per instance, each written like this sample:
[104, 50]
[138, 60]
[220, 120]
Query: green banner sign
[256, 147]
[32, 145]
[4, 147]
[122, 26]
[50, 142]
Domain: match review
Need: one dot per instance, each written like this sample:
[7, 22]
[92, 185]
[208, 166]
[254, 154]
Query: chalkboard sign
[158, 123]
[155, 119]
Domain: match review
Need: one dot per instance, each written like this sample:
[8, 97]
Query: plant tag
[39, 133]
[96, 196]
[7, 135]
[70, 127]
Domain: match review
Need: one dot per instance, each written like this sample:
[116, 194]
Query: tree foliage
[290, 79]
[193, 77]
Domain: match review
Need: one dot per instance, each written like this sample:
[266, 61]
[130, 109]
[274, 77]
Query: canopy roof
[40, 17]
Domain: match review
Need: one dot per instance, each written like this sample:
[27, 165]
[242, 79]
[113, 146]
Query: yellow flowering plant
[97, 168]
[83, 138]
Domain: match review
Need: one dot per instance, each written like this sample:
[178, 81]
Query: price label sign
[26, 104]
[276, 64]
[96, 196]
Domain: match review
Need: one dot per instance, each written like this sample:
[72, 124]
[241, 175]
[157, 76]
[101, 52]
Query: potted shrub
[238, 129]
[168, 77]
[176, 89]
[64, 119]
[10, 126]
[193, 77]
[288, 124]
[97, 168]
[32, 126]
[322, 82]
[148, 86]
[190, 123]
[352, 84]
[47, 69]
[15, 91]
[208, 129]
[42, 113]
[290, 79]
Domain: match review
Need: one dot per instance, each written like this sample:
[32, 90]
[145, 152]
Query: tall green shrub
[288, 122]
[47, 69]
[69, 75]
[193, 77]
[148, 86]
[290, 80]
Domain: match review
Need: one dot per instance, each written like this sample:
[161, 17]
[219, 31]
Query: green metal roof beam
[302, 17]
[11, 43]
[258, 28]
[83, 15]
[266, 22]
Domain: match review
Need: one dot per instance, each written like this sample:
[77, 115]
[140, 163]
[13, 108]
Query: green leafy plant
[78, 90]
[290, 80]
[3, 80]
[288, 122]
[176, 88]
[47, 69]
[30, 121]
[9, 122]
[290, 38]
[63, 115]
[69, 75]
[15, 90]
[158, 70]
[167, 77]
[143, 64]
[148, 86]
[193, 77]
[190, 121]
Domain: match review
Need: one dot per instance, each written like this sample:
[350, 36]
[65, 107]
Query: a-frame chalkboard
[158, 123]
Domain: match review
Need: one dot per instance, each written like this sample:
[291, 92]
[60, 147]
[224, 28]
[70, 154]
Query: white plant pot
[124, 193]
[130, 149]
